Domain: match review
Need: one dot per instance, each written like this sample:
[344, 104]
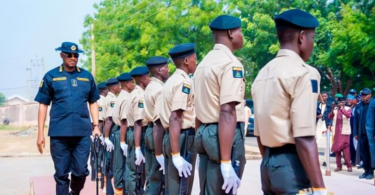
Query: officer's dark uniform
[70, 127]
[285, 92]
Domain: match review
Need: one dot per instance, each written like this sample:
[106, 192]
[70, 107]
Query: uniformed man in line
[103, 93]
[127, 85]
[110, 127]
[220, 88]
[69, 88]
[178, 119]
[158, 66]
[136, 129]
[285, 93]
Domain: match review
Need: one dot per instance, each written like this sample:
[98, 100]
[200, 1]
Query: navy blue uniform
[70, 126]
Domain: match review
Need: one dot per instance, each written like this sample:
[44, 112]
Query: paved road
[15, 174]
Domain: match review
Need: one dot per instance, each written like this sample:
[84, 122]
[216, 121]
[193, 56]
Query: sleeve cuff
[230, 98]
[304, 132]
[43, 99]
[180, 105]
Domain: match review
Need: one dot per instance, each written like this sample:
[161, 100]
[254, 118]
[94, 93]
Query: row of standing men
[154, 128]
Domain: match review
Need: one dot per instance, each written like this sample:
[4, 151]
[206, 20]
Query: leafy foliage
[127, 32]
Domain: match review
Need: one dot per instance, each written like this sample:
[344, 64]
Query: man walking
[69, 88]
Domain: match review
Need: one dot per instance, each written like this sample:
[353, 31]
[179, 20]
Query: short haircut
[287, 35]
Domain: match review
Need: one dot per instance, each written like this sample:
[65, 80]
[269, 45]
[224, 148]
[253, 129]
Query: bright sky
[31, 30]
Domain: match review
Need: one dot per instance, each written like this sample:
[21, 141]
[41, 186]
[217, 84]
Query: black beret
[125, 77]
[352, 91]
[297, 19]
[183, 50]
[111, 81]
[139, 71]
[156, 60]
[366, 91]
[101, 85]
[225, 22]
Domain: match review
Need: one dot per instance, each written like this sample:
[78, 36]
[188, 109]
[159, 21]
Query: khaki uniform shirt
[109, 104]
[153, 99]
[178, 94]
[134, 107]
[219, 79]
[101, 108]
[119, 107]
[285, 93]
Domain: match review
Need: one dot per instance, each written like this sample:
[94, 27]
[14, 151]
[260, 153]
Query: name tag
[237, 72]
[83, 79]
[112, 104]
[100, 109]
[59, 79]
[186, 88]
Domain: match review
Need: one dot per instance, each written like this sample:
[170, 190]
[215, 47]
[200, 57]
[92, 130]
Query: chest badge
[74, 83]
[100, 109]
[237, 72]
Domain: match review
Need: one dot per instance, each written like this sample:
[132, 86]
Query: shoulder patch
[83, 79]
[41, 83]
[100, 109]
[314, 85]
[186, 88]
[112, 104]
[140, 104]
[237, 72]
[59, 79]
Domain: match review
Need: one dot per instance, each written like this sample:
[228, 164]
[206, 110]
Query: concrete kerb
[23, 154]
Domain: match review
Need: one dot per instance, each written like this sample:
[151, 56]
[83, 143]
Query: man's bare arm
[42, 113]
[137, 133]
[308, 153]
[107, 126]
[123, 129]
[260, 146]
[94, 110]
[175, 123]
[157, 134]
[227, 126]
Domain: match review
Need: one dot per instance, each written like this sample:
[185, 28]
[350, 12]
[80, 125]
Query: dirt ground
[21, 141]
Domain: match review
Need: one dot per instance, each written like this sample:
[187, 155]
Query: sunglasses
[70, 55]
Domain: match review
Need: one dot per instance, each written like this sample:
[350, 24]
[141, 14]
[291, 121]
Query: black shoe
[360, 166]
[324, 164]
[353, 164]
[73, 193]
[364, 175]
[370, 176]
[332, 155]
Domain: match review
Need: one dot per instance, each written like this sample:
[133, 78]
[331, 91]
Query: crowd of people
[350, 122]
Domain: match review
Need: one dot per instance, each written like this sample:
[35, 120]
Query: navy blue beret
[125, 77]
[101, 85]
[296, 18]
[69, 47]
[225, 22]
[366, 91]
[111, 81]
[139, 71]
[183, 50]
[156, 61]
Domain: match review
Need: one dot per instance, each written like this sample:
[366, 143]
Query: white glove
[139, 156]
[124, 148]
[182, 165]
[109, 144]
[231, 180]
[320, 191]
[307, 191]
[197, 163]
[160, 160]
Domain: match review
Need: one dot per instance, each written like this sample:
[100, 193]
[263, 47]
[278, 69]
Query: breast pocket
[84, 88]
[61, 90]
